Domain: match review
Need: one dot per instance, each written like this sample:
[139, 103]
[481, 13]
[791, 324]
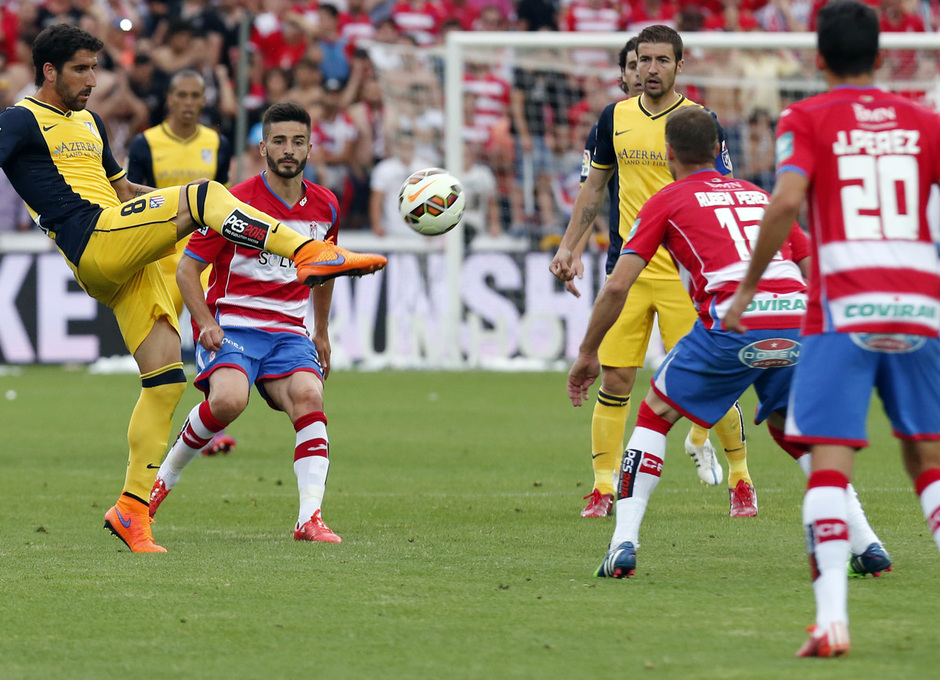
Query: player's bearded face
[74, 83]
[284, 161]
[658, 68]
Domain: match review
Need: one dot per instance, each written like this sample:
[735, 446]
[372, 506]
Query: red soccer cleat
[599, 504]
[157, 494]
[220, 443]
[315, 530]
[743, 500]
[833, 642]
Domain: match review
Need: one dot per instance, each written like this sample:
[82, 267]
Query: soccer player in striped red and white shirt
[706, 222]
[865, 161]
[251, 324]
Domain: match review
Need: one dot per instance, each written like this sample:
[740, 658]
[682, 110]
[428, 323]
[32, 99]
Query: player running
[865, 159]
[704, 221]
[629, 151]
[251, 321]
[111, 232]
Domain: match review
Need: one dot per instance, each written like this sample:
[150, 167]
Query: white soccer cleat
[706, 462]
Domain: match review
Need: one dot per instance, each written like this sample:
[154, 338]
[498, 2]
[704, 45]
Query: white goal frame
[458, 44]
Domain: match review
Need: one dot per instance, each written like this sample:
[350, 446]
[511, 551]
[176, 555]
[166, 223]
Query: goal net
[509, 113]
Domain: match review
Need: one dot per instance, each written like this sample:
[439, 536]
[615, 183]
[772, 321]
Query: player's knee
[227, 406]
[307, 398]
[618, 380]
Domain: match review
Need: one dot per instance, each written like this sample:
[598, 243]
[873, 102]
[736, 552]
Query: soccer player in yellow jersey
[631, 143]
[111, 233]
[178, 151]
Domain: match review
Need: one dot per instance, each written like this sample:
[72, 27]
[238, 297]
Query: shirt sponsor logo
[778, 306]
[770, 353]
[889, 343]
[880, 115]
[890, 311]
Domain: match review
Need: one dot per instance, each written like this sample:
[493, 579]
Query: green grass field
[463, 556]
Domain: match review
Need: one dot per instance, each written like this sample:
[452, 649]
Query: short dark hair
[692, 133]
[186, 73]
[57, 44]
[661, 34]
[624, 51]
[284, 112]
[847, 37]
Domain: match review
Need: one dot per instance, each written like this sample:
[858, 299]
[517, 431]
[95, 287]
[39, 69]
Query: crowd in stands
[365, 70]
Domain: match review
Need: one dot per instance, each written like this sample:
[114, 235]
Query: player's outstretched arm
[188, 274]
[781, 213]
[586, 206]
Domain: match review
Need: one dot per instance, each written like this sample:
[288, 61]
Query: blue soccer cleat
[873, 561]
[619, 563]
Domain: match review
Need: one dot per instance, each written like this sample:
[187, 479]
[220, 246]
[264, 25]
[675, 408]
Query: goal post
[514, 312]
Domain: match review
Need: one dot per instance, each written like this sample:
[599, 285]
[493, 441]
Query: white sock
[196, 432]
[930, 503]
[861, 535]
[639, 474]
[826, 529]
[311, 463]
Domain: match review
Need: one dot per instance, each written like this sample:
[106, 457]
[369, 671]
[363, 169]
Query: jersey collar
[654, 116]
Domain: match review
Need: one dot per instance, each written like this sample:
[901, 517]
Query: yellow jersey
[632, 141]
[160, 159]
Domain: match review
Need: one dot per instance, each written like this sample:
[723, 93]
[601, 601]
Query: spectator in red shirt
[355, 23]
[418, 18]
[732, 18]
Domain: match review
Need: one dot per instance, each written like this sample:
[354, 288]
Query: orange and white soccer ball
[431, 201]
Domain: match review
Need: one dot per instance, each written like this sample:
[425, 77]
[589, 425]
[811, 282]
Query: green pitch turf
[463, 555]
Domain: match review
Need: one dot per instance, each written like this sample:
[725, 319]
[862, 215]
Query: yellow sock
[149, 428]
[607, 424]
[730, 432]
[697, 435]
[211, 205]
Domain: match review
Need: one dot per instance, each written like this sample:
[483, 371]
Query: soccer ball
[431, 201]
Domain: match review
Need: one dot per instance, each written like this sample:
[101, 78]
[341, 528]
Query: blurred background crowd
[370, 73]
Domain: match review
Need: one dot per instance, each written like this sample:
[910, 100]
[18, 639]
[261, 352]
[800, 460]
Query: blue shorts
[707, 371]
[260, 355]
[833, 383]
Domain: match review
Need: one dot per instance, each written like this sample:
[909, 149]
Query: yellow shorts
[120, 266]
[626, 342]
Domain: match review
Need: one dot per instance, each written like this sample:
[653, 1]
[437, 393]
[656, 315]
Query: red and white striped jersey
[708, 224]
[493, 96]
[423, 21]
[870, 157]
[257, 289]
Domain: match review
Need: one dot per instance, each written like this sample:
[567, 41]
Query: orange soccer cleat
[130, 521]
[320, 261]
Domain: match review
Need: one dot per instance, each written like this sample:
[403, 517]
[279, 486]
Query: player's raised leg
[209, 204]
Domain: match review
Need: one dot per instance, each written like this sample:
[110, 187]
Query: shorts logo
[830, 530]
[770, 353]
[156, 201]
[651, 465]
[889, 343]
[244, 230]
